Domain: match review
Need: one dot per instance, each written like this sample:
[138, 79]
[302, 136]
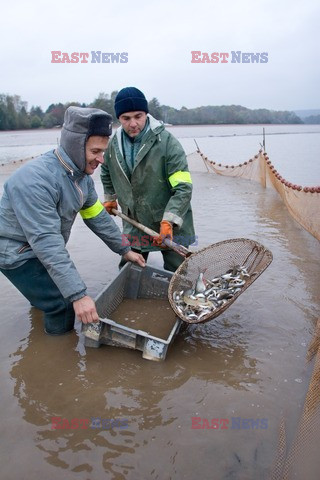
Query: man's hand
[165, 232]
[110, 205]
[85, 310]
[135, 257]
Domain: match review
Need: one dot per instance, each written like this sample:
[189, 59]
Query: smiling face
[133, 122]
[95, 148]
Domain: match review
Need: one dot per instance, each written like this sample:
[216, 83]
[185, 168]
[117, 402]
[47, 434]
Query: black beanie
[130, 99]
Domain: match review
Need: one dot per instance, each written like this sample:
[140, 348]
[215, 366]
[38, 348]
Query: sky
[158, 38]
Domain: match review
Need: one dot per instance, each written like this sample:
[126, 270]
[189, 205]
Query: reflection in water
[223, 341]
[54, 380]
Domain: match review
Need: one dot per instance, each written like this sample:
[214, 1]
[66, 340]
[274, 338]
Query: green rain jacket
[160, 186]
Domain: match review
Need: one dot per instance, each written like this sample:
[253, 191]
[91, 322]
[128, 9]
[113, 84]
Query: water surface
[248, 363]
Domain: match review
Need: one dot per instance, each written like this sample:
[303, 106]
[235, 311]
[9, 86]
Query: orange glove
[110, 205]
[165, 232]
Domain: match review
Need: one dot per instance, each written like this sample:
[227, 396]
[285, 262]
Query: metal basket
[132, 282]
[216, 260]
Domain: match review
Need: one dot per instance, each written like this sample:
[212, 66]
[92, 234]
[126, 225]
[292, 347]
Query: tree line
[14, 113]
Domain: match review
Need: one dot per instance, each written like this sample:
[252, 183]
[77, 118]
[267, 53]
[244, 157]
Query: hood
[79, 124]
[155, 125]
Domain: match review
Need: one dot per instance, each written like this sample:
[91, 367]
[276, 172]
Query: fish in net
[210, 280]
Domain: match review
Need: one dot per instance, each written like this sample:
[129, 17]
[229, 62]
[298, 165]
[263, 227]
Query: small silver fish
[192, 316]
[200, 285]
[209, 295]
[203, 314]
[227, 276]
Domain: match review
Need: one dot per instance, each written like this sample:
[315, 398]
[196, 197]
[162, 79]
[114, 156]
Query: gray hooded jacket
[40, 203]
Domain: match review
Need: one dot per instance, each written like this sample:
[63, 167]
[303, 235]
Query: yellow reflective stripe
[179, 177]
[92, 211]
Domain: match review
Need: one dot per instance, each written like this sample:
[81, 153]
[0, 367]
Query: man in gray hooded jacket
[38, 207]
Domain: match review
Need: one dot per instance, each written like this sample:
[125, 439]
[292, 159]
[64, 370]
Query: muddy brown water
[248, 364]
[154, 316]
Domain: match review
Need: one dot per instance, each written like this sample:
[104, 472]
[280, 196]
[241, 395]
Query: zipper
[148, 143]
[121, 167]
[23, 248]
[141, 149]
[80, 191]
[67, 167]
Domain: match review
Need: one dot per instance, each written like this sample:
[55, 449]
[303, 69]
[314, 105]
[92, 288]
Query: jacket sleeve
[34, 201]
[100, 222]
[180, 183]
[109, 193]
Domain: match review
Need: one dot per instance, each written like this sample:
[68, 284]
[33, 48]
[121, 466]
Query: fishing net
[7, 168]
[216, 260]
[302, 461]
[303, 203]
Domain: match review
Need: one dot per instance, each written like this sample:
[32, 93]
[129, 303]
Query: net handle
[180, 249]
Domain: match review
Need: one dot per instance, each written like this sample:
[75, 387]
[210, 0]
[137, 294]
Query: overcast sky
[159, 37]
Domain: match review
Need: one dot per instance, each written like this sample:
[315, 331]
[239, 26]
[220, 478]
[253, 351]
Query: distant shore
[191, 125]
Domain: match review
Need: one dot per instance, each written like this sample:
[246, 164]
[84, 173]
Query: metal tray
[132, 282]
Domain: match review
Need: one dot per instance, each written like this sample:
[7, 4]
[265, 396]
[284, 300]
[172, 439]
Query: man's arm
[179, 179]
[100, 222]
[34, 201]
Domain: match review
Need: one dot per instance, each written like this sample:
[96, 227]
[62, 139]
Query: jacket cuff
[77, 296]
[109, 198]
[126, 250]
[171, 217]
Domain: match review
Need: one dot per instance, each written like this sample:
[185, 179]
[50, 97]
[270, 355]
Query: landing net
[215, 261]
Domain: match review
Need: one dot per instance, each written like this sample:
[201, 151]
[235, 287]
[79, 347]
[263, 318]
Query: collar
[67, 163]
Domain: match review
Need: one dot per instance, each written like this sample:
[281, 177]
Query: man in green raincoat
[146, 171]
